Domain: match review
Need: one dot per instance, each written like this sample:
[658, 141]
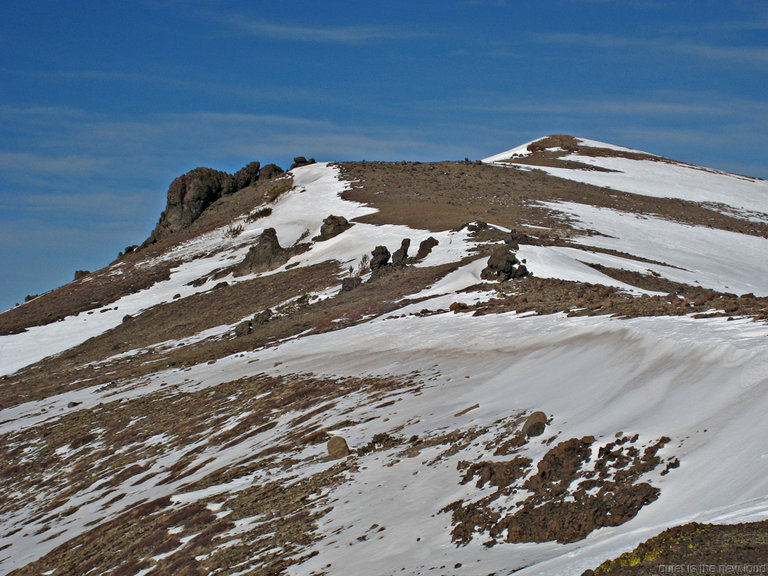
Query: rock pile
[503, 265]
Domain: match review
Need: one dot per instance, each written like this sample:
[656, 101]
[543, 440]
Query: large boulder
[301, 161]
[337, 448]
[350, 283]
[332, 226]
[425, 247]
[266, 255]
[535, 424]
[379, 258]
[270, 171]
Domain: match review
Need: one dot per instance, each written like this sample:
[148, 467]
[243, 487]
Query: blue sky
[103, 103]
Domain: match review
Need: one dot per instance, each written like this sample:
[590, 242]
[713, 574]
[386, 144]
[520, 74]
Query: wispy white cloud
[321, 33]
[746, 55]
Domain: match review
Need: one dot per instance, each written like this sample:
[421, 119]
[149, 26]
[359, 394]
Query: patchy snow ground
[660, 179]
[701, 382]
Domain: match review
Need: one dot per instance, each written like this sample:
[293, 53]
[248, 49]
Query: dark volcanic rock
[350, 283]
[502, 266]
[262, 317]
[379, 258]
[426, 247]
[247, 175]
[401, 254]
[243, 328]
[191, 193]
[266, 255]
[332, 226]
[301, 161]
[535, 424]
[270, 171]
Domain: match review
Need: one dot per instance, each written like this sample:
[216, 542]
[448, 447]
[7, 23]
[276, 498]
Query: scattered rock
[401, 254]
[535, 424]
[458, 307]
[81, 274]
[337, 448]
[262, 317]
[127, 318]
[425, 247]
[243, 329]
[477, 226]
[350, 283]
[516, 238]
[379, 258]
[332, 226]
[73, 404]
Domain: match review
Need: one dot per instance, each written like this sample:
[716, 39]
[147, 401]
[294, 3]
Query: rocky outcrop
[332, 226]
[270, 171]
[401, 254]
[503, 265]
[425, 248]
[192, 193]
[247, 175]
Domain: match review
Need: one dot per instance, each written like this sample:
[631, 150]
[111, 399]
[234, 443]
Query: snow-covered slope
[207, 452]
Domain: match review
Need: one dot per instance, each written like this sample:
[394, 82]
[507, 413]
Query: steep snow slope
[421, 395]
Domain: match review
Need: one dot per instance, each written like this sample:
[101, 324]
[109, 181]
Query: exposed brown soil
[109, 443]
[77, 367]
[444, 195]
[549, 296]
[608, 494]
[696, 549]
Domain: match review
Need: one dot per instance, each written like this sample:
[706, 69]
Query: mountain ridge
[639, 333]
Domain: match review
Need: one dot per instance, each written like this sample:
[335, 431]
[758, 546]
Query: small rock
[262, 317]
[337, 448]
[243, 329]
